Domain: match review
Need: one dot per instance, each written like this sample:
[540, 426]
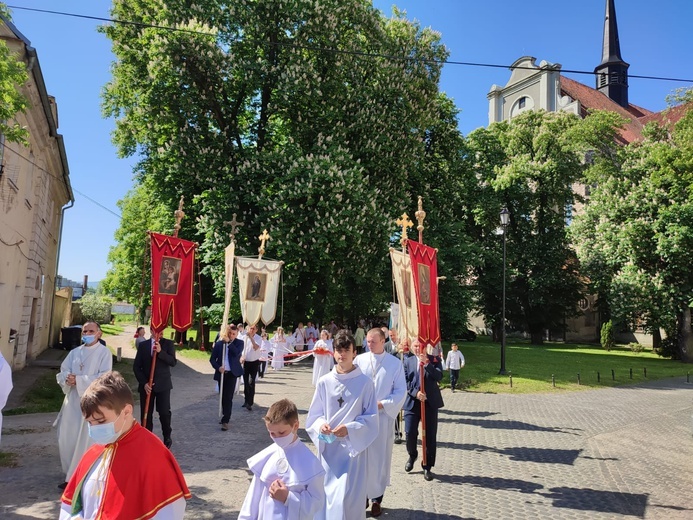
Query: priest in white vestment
[81, 366]
[5, 387]
[342, 422]
[387, 373]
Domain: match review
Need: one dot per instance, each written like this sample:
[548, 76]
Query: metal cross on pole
[420, 216]
[405, 223]
[234, 227]
[179, 214]
[263, 238]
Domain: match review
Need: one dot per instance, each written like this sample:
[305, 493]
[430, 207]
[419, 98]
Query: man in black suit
[433, 373]
[230, 369]
[160, 391]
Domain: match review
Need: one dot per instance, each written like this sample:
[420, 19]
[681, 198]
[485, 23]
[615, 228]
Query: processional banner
[404, 287]
[424, 262]
[229, 254]
[173, 260]
[258, 286]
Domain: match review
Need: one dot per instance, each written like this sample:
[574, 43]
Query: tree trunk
[537, 337]
[656, 339]
[685, 337]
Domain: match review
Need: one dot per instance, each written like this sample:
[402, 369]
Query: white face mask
[283, 442]
[105, 433]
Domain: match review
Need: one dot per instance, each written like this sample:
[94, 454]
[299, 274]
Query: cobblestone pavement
[613, 453]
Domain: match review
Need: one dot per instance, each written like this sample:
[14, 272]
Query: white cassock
[347, 399]
[86, 363]
[322, 363]
[281, 348]
[95, 482]
[5, 386]
[387, 373]
[302, 474]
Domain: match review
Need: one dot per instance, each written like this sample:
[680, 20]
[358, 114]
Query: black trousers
[411, 427]
[454, 376]
[162, 401]
[261, 368]
[227, 395]
[250, 369]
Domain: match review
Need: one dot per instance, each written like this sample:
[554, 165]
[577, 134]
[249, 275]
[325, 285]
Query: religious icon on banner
[406, 276]
[257, 283]
[168, 277]
[424, 273]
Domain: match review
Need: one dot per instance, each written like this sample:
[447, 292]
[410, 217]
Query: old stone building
[34, 193]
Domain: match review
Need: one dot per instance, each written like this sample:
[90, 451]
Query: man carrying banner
[251, 363]
[226, 360]
[432, 399]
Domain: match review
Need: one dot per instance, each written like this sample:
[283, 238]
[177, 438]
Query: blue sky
[75, 60]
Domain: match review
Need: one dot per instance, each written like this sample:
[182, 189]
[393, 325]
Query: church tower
[612, 72]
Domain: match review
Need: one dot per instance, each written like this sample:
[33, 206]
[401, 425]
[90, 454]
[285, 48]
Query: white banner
[229, 254]
[258, 286]
[404, 285]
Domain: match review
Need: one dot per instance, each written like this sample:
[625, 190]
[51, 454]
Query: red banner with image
[424, 265]
[173, 260]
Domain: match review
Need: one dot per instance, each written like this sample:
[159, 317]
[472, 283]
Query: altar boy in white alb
[387, 373]
[287, 477]
[81, 366]
[342, 422]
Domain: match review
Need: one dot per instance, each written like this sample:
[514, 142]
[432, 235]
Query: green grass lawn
[111, 330]
[532, 367]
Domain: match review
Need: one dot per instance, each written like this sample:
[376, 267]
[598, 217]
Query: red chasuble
[142, 478]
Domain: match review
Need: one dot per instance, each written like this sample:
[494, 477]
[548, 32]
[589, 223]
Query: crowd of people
[353, 421]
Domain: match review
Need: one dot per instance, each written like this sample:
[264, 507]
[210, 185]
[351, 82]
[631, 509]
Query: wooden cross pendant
[340, 401]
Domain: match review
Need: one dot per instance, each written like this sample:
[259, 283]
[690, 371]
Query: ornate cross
[340, 401]
[234, 225]
[405, 223]
[263, 238]
[179, 216]
[420, 216]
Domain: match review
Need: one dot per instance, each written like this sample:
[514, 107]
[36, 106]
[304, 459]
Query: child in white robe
[280, 348]
[342, 422]
[323, 357]
[287, 477]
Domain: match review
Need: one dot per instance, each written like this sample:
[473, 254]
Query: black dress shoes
[428, 475]
[409, 465]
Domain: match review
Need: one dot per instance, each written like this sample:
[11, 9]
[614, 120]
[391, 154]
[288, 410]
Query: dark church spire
[612, 72]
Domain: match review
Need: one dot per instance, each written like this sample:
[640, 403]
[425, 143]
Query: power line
[28, 160]
[330, 50]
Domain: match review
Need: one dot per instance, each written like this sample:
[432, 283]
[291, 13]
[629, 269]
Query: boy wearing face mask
[108, 480]
[287, 478]
[81, 366]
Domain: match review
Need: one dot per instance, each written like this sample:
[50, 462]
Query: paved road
[599, 454]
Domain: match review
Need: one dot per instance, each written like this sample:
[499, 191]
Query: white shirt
[249, 353]
[455, 360]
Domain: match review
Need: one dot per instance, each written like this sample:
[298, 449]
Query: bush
[607, 336]
[95, 308]
[635, 347]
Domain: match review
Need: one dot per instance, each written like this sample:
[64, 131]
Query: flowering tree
[272, 111]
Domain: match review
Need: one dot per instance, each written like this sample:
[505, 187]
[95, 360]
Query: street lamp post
[505, 220]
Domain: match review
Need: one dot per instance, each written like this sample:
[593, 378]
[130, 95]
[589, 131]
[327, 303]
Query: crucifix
[340, 401]
[263, 238]
[420, 216]
[405, 223]
[179, 216]
[234, 227]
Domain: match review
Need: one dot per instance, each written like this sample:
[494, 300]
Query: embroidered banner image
[424, 261]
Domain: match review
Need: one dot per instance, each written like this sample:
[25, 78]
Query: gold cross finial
[179, 216]
[263, 238]
[420, 216]
[405, 223]
[234, 225]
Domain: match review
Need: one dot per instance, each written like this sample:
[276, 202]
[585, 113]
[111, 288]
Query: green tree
[129, 277]
[636, 235]
[95, 308]
[12, 75]
[270, 110]
[527, 164]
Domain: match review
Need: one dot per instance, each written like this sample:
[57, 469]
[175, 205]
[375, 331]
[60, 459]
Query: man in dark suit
[230, 369]
[433, 373]
[160, 391]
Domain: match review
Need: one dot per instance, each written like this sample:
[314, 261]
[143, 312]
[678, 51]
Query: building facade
[35, 191]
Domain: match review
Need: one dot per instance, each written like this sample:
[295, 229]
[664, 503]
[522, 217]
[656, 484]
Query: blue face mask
[329, 438]
[104, 433]
[88, 340]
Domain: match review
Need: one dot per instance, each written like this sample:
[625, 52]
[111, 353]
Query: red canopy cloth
[172, 281]
[424, 265]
